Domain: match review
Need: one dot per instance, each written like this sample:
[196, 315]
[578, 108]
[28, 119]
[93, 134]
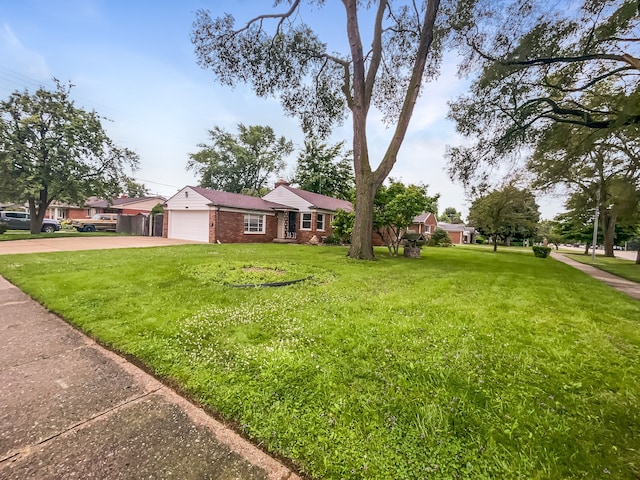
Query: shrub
[3, 227]
[333, 239]
[541, 252]
[439, 238]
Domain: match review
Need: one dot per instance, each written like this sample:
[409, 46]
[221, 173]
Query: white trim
[263, 223]
[302, 214]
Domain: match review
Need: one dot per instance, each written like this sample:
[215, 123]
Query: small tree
[342, 224]
[52, 150]
[241, 163]
[395, 208]
[504, 213]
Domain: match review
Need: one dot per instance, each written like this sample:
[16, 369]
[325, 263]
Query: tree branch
[413, 90]
[281, 16]
[376, 49]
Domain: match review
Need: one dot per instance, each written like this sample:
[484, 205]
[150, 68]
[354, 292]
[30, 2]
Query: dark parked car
[22, 221]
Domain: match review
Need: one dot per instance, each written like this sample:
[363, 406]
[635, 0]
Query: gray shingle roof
[322, 202]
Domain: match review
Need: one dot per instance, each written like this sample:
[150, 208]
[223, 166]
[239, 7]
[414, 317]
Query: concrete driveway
[68, 244]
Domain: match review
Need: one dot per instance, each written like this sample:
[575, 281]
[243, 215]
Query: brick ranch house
[285, 214]
[426, 223]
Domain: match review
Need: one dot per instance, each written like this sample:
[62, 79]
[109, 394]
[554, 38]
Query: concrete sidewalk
[71, 409]
[626, 286]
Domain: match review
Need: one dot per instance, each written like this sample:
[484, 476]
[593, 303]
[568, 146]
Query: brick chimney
[280, 182]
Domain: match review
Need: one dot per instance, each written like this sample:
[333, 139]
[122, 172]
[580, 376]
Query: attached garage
[189, 225]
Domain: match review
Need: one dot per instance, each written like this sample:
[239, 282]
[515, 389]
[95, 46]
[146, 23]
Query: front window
[320, 221]
[253, 223]
[306, 221]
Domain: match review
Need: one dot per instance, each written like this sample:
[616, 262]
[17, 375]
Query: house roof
[120, 202]
[320, 201]
[422, 217]
[237, 200]
[455, 227]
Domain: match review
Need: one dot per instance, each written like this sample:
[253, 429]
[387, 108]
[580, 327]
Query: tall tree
[505, 213]
[544, 63]
[279, 55]
[324, 169]
[52, 150]
[134, 189]
[600, 165]
[241, 163]
[450, 215]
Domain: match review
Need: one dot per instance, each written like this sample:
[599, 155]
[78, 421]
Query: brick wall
[303, 236]
[230, 229]
[456, 237]
[165, 224]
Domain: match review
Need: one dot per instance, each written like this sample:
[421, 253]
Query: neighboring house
[93, 205]
[425, 223]
[125, 205]
[285, 214]
[309, 214]
[459, 233]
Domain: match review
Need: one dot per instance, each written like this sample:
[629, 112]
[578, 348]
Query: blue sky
[133, 62]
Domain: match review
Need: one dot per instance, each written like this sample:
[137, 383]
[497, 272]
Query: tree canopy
[52, 150]
[241, 163]
[450, 215]
[279, 55]
[504, 213]
[602, 167]
[541, 64]
[324, 169]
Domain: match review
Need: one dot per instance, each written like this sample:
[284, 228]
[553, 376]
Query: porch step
[284, 240]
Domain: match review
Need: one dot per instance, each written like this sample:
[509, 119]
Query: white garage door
[192, 225]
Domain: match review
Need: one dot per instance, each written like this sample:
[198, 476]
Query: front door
[292, 224]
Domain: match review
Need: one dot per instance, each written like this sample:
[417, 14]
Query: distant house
[425, 223]
[285, 214]
[93, 205]
[459, 233]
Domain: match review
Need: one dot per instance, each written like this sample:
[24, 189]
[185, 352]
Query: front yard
[462, 364]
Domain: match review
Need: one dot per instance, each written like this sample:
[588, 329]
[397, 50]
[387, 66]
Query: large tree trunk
[37, 209]
[495, 243]
[608, 231]
[362, 86]
[361, 238]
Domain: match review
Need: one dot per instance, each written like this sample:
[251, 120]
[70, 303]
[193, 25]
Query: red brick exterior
[303, 236]
[228, 227]
[456, 238]
[165, 224]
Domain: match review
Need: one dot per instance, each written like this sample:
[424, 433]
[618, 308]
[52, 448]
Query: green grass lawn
[462, 364]
[25, 235]
[618, 266]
